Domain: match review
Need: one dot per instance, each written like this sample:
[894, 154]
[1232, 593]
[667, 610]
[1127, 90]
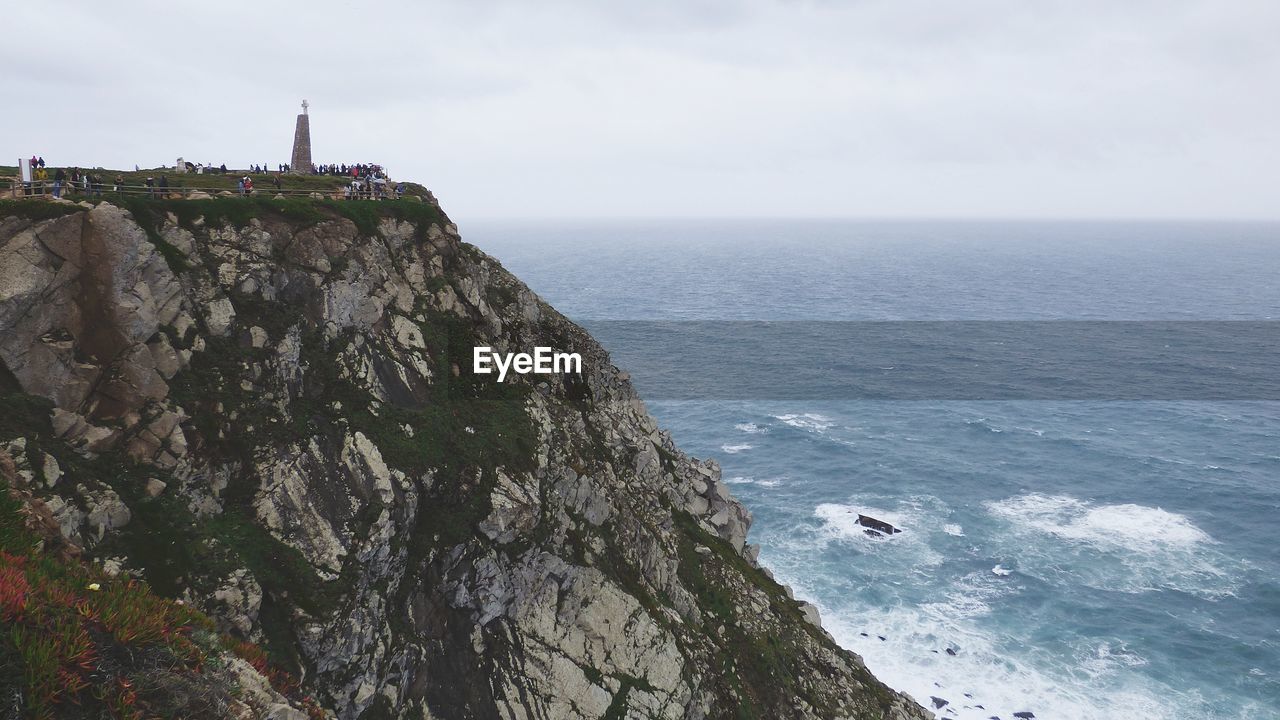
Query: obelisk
[301, 163]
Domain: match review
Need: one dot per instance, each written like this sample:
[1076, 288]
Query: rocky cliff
[265, 410]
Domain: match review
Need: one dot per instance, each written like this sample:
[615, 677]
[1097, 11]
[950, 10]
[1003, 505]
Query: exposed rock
[876, 527]
[52, 471]
[297, 401]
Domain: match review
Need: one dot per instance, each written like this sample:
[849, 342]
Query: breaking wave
[1126, 547]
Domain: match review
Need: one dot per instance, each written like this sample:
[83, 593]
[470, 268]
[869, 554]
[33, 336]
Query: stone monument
[301, 162]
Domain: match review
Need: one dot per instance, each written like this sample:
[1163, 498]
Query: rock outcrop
[266, 408]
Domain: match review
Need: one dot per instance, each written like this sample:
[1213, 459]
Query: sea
[1077, 550]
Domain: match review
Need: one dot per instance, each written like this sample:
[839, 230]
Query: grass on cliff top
[300, 211]
[36, 209]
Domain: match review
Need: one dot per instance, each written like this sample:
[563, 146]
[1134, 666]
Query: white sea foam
[1106, 660]
[1133, 528]
[984, 424]
[752, 428]
[970, 596]
[910, 547]
[996, 671]
[1001, 571]
[744, 480]
[1098, 680]
[735, 449]
[953, 530]
[812, 422]
[1125, 547]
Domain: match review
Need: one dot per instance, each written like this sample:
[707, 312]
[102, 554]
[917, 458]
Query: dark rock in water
[864, 635]
[938, 702]
[882, 638]
[935, 652]
[1025, 715]
[873, 533]
[951, 652]
[879, 526]
[968, 695]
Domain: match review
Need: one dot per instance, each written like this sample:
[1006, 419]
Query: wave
[1128, 527]
[745, 480]
[811, 422]
[1125, 547]
[734, 449]
[958, 641]
[940, 650]
[910, 547]
[751, 428]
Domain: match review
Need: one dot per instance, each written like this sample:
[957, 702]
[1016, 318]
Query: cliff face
[282, 393]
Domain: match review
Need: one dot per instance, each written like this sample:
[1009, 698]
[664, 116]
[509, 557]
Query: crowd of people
[71, 182]
[355, 172]
[205, 168]
[368, 181]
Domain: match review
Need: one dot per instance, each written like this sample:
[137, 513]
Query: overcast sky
[670, 108]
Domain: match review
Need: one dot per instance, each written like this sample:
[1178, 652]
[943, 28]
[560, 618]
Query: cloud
[754, 107]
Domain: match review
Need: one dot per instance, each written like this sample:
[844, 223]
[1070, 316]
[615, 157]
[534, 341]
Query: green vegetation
[279, 568]
[460, 427]
[215, 183]
[36, 209]
[237, 212]
[77, 635]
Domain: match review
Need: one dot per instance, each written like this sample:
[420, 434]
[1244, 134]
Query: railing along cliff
[44, 190]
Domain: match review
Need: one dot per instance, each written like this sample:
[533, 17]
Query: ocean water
[1079, 559]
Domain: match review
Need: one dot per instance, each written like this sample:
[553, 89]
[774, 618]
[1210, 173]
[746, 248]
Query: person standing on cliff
[59, 178]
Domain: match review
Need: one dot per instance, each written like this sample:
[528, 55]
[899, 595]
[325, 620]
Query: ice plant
[62, 617]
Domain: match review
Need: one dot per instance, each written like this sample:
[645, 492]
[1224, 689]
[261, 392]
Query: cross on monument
[305, 105]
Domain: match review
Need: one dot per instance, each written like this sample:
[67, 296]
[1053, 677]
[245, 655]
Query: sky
[682, 108]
